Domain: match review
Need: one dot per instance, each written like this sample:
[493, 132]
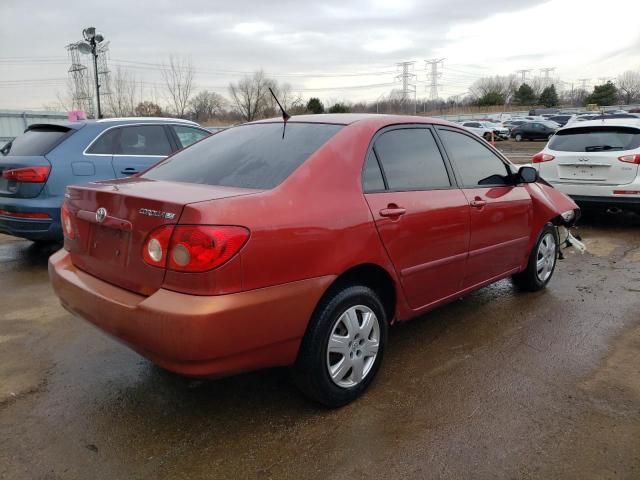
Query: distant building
[14, 122]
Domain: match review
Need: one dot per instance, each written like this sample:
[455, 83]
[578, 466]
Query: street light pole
[90, 45]
[95, 73]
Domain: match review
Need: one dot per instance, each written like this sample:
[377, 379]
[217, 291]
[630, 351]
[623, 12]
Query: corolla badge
[101, 214]
[156, 213]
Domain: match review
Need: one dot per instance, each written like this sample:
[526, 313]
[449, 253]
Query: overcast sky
[319, 47]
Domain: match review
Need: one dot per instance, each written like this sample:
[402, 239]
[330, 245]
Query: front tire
[343, 347]
[518, 137]
[542, 262]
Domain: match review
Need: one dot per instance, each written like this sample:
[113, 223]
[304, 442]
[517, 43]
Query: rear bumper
[195, 335]
[29, 228]
[587, 195]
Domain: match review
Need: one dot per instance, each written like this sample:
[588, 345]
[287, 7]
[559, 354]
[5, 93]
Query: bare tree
[122, 97]
[504, 86]
[629, 86]
[205, 105]
[178, 78]
[249, 95]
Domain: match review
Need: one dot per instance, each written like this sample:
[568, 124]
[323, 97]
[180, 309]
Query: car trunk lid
[113, 220]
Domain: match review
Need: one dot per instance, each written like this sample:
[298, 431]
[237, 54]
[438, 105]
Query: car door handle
[392, 211]
[477, 203]
[129, 171]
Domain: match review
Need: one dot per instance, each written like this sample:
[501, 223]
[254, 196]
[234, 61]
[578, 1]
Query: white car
[595, 162]
[479, 129]
[499, 130]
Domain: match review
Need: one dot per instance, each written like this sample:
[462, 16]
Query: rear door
[139, 147]
[500, 213]
[591, 155]
[422, 218]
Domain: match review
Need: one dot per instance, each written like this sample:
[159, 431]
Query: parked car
[479, 129]
[499, 131]
[300, 243]
[37, 166]
[216, 129]
[595, 162]
[532, 131]
[560, 119]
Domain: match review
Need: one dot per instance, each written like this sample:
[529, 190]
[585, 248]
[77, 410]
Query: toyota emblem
[101, 214]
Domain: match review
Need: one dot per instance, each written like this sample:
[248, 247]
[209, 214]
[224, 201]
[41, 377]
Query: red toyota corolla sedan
[270, 244]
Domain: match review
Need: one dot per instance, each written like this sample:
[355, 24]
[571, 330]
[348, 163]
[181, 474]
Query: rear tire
[542, 262]
[343, 347]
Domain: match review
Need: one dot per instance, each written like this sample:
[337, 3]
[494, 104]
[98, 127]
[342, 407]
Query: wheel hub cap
[546, 257]
[353, 346]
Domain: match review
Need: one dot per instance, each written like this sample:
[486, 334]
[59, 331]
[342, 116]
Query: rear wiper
[285, 115]
[600, 148]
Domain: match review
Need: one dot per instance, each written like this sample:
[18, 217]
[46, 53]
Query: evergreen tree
[606, 94]
[525, 95]
[314, 105]
[549, 96]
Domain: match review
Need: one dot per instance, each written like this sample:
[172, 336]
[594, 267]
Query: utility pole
[406, 77]
[523, 74]
[433, 76]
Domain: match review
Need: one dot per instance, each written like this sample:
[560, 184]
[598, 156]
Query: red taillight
[156, 248]
[39, 216]
[630, 158]
[27, 174]
[542, 157]
[193, 248]
[201, 248]
[68, 226]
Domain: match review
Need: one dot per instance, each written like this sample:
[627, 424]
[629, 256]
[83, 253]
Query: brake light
[630, 158]
[542, 157]
[156, 248]
[68, 227]
[201, 248]
[27, 174]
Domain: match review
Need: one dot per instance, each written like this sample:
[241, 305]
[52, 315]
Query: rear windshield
[595, 139]
[35, 141]
[248, 156]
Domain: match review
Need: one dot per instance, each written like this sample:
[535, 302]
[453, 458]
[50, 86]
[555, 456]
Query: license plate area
[109, 245]
[584, 172]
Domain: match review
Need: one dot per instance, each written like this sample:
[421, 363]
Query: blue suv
[36, 167]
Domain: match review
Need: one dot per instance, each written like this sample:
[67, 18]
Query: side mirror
[528, 174]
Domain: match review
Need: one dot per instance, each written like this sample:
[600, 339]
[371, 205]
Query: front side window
[188, 135]
[411, 160]
[477, 165]
[143, 140]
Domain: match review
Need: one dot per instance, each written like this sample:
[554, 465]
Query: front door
[500, 211]
[422, 219]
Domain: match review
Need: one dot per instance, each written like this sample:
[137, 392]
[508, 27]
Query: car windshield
[594, 139]
[259, 155]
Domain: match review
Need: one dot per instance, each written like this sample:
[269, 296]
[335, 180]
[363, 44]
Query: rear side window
[477, 165]
[595, 139]
[105, 144]
[36, 141]
[143, 140]
[257, 155]
[189, 135]
[411, 160]
[372, 178]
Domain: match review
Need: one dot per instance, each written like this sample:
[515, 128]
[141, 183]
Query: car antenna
[285, 115]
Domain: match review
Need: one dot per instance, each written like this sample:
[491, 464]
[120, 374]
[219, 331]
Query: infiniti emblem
[101, 214]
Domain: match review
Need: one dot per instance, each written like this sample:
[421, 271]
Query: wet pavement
[499, 384]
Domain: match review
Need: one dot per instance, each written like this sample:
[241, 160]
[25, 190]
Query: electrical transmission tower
[546, 72]
[81, 84]
[583, 82]
[434, 75]
[523, 74]
[407, 77]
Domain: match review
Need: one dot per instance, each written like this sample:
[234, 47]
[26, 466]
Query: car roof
[611, 122]
[350, 118]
